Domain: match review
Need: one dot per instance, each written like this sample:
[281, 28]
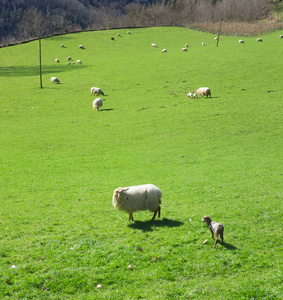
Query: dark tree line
[26, 19]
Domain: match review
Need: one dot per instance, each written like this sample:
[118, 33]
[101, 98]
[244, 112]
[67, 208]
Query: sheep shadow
[149, 225]
[229, 246]
[106, 109]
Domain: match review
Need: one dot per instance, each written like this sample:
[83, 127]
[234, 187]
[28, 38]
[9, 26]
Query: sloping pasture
[61, 160]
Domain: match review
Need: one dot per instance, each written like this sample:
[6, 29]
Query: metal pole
[219, 32]
[40, 72]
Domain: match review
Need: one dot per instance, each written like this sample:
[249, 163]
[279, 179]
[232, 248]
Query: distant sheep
[97, 103]
[215, 228]
[190, 95]
[96, 90]
[195, 95]
[57, 60]
[69, 58]
[241, 42]
[137, 198]
[54, 80]
[184, 49]
[259, 40]
[112, 39]
[118, 34]
[203, 43]
[186, 45]
[81, 47]
[281, 36]
[204, 91]
[153, 45]
[216, 38]
[128, 32]
[79, 61]
[62, 45]
[163, 50]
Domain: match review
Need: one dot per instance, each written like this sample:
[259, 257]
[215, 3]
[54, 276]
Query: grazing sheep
[96, 90]
[216, 38]
[164, 50]
[204, 91]
[186, 45]
[57, 60]
[69, 58]
[184, 49]
[259, 40]
[241, 42]
[54, 80]
[203, 43]
[190, 95]
[79, 61]
[118, 34]
[81, 47]
[112, 39]
[281, 36]
[62, 45]
[153, 45]
[68, 63]
[136, 198]
[195, 95]
[128, 32]
[215, 228]
[97, 103]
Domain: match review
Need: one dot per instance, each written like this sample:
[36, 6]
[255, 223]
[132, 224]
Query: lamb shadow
[147, 225]
[106, 109]
[229, 246]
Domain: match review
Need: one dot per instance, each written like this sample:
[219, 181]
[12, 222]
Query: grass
[61, 161]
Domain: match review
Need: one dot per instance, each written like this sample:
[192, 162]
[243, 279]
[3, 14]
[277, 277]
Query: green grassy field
[60, 236]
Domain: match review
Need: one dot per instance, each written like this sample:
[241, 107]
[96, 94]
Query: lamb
[241, 42]
[137, 198]
[215, 228]
[259, 40]
[96, 90]
[216, 38]
[62, 45]
[204, 91]
[164, 50]
[118, 34]
[186, 45]
[54, 80]
[128, 32]
[57, 60]
[203, 43]
[195, 95]
[97, 103]
[69, 58]
[153, 45]
[190, 95]
[81, 47]
[184, 49]
[281, 36]
[79, 61]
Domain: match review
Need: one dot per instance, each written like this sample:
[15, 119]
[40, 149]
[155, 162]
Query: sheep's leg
[154, 215]
[131, 218]
[212, 234]
[216, 239]
[222, 236]
[159, 211]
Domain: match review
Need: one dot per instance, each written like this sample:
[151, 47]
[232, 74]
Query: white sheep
[259, 40]
[204, 91]
[62, 45]
[195, 95]
[137, 198]
[203, 43]
[216, 38]
[118, 34]
[128, 32]
[184, 49]
[54, 80]
[281, 36]
[57, 60]
[190, 95]
[79, 61]
[95, 90]
[97, 103]
[186, 45]
[81, 47]
[241, 42]
[163, 50]
[69, 58]
[153, 45]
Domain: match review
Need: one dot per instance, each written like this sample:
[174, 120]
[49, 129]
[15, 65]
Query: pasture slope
[61, 238]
